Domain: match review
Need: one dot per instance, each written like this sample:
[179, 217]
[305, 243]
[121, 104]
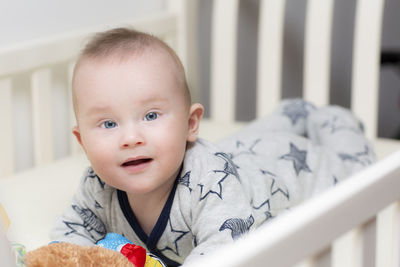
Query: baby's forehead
[158, 57]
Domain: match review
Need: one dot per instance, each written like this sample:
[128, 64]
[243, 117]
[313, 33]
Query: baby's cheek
[101, 159]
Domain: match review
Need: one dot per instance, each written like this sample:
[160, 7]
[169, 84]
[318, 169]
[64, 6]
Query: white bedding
[25, 198]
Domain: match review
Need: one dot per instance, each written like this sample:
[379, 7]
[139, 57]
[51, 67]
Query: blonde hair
[124, 42]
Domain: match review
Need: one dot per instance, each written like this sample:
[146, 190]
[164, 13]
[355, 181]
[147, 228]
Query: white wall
[22, 20]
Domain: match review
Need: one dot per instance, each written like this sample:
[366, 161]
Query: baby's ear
[196, 113]
[77, 133]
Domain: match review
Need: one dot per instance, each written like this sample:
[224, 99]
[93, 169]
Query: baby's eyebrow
[154, 99]
[97, 109]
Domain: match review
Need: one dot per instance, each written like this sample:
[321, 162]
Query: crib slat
[187, 42]
[343, 250]
[42, 119]
[369, 243]
[74, 145]
[317, 51]
[322, 259]
[6, 133]
[368, 23]
[179, 7]
[357, 247]
[269, 69]
[388, 237]
[223, 60]
[305, 263]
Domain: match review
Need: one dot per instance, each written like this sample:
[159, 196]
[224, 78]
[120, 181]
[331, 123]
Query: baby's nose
[132, 137]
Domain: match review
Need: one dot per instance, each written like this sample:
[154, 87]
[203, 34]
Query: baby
[153, 181]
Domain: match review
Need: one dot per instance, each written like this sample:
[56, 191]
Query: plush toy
[113, 250]
[67, 254]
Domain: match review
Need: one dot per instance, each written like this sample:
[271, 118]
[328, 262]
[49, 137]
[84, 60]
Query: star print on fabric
[275, 188]
[229, 167]
[97, 205]
[298, 157]
[239, 144]
[336, 124]
[92, 175]
[296, 110]
[361, 126]
[238, 226]
[267, 212]
[362, 157]
[185, 181]
[266, 202]
[76, 229]
[91, 223]
[195, 241]
[264, 172]
[215, 187]
[177, 235]
[217, 191]
[247, 150]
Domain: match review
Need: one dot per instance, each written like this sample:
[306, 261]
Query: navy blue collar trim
[150, 241]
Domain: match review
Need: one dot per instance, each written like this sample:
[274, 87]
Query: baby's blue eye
[109, 124]
[151, 116]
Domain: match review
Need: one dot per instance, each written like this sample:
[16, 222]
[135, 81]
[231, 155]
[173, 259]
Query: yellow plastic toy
[7, 255]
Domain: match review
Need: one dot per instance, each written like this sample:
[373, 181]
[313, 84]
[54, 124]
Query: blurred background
[23, 21]
[341, 56]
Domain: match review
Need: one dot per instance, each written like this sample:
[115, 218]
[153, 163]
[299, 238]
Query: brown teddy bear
[68, 255]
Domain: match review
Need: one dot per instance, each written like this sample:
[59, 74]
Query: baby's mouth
[136, 162]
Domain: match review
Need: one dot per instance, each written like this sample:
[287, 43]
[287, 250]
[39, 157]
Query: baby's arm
[82, 221]
[218, 222]
[219, 211]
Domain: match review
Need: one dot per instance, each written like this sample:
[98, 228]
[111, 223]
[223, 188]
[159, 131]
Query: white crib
[354, 224]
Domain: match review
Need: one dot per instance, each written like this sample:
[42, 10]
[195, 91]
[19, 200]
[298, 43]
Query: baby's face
[132, 121]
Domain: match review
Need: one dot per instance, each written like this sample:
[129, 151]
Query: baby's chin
[148, 190]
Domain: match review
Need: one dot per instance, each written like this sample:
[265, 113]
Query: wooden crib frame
[314, 234]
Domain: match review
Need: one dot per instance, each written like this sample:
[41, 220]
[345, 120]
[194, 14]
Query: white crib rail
[306, 235]
[37, 61]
